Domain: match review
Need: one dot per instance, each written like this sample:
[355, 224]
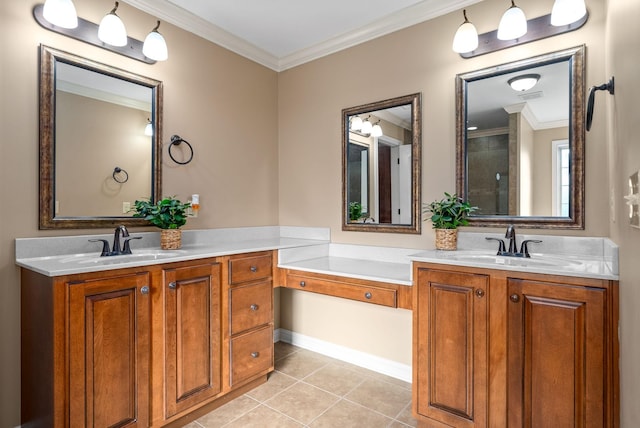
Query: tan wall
[223, 104]
[622, 59]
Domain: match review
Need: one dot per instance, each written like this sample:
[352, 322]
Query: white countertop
[310, 249]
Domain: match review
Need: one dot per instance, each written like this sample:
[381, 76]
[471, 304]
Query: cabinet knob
[480, 293]
[254, 307]
[255, 354]
[302, 284]
[144, 289]
[253, 269]
[514, 298]
[367, 295]
[173, 285]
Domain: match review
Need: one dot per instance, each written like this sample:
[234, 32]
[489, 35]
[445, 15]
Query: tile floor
[310, 390]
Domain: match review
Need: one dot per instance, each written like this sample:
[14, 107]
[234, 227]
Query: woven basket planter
[447, 239]
[170, 239]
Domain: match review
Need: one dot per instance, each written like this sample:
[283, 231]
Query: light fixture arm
[609, 87]
[537, 29]
[87, 32]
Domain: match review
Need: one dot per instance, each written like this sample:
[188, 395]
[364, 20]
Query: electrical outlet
[126, 207]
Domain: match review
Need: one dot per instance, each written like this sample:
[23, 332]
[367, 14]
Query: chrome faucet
[513, 244]
[117, 249]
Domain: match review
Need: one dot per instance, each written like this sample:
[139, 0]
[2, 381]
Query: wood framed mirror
[520, 152]
[96, 154]
[381, 166]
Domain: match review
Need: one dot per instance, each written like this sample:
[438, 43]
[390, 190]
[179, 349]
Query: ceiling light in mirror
[567, 12]
[466, 38]
[524, 82]
[513, 23]
[61, 13]
[367, 126]
[355, 123]
[376, 130]
[111, 30]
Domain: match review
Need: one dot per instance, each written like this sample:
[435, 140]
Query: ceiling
[281, 34]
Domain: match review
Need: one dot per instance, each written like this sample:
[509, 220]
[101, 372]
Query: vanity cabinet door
[108, 355]
[557, 355]
[450, 348]
[192, 335]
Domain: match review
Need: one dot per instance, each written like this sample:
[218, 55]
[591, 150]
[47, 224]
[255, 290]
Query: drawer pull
[254, 307]
[255, 354]
[368, 295]
[173, 285]
[302, 284]
[144, 289]
[253, 269]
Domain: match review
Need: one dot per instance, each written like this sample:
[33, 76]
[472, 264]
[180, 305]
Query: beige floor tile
[282, 349]
[406, 417]
[376, 375]
[263, 417]
[397, 424]
[230, 411]
[335, 378]
[302, 402]
[300, 364]
[381, 396]
[345, 414]
[276, 383]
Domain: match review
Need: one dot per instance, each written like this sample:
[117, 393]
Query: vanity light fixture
[367, 126]
[61, 13]
[376, 130]
[148, 129]
[565, 12]
[102, 36]
[524, 82]
[355, 123]
[155, 46]
[513, 23]
[466, 38]
[515, 29]
[111, 29]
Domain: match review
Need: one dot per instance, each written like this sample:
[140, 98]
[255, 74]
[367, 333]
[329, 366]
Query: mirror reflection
[99, 142]
[521, 139]
[381, 166]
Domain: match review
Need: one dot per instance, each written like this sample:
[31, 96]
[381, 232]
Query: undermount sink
[137, 255]
[536, 260]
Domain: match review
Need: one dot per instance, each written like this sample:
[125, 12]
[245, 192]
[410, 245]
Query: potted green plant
[447, 215]
[355, 211]
[168, 214]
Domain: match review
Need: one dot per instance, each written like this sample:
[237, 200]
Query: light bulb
[356, 123]
[513, 23]
[567, 12]
[61, 13]
[111, 30]
[367, 127]
[155, 46]
[466, 38]
[376, 131]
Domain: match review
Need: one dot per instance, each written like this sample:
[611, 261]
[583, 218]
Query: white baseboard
[342, 353]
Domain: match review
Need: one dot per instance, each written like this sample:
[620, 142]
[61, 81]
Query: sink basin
[535, 260]
[137, 256]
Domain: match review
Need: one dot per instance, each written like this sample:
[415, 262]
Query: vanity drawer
[251, 354]
[250, 268]
[250, 306]
[363, 293]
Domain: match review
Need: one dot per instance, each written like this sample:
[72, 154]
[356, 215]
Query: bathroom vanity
[497, 341]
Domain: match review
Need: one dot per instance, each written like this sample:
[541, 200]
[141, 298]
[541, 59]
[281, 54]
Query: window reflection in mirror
[381, 166]
[520, 150]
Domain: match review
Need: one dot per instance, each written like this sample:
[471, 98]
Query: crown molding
[407, 17]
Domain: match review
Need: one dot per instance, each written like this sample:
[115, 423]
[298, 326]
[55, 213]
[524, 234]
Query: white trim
[423, 11]
[556, 174]
[342, 353]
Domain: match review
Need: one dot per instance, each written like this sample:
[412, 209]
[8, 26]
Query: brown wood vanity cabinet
[250, 297]
[144, 347]
[511, 349]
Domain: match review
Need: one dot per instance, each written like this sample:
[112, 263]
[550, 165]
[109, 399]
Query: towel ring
[177, 140]
[118, 170]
